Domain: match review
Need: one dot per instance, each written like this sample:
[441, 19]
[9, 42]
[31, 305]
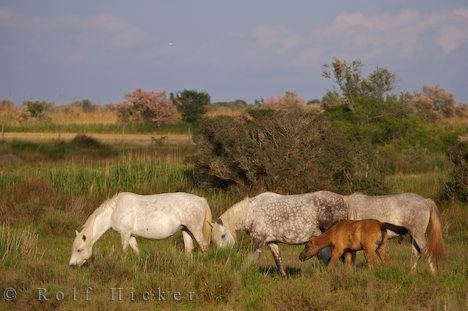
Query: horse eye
[223, 236]
[79, 250]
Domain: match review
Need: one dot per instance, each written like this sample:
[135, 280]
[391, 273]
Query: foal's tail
[206, 223]
[394, 228]
[435, 246]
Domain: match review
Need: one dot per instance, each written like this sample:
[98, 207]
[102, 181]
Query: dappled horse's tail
[206, 224]
[435, 246]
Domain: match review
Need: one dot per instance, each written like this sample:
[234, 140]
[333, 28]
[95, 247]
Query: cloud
[401, 35]
[407, 32]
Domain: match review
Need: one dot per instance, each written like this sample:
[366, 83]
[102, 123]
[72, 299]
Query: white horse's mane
[104, 206]
[235, 215]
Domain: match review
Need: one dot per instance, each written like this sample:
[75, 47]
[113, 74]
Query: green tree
[362, 105]
[352, 85]
[35, 109]
[192, 105]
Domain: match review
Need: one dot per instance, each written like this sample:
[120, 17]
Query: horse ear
[219, 221]
[76, 232]
[84, 238]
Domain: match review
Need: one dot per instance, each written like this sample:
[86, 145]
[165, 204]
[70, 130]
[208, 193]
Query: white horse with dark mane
[156, 216]
[408, 210]
[270, 218]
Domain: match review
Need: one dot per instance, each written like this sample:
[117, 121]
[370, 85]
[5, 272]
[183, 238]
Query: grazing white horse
[156, 216]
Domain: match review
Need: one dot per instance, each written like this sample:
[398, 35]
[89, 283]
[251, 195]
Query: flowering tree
[147, 106]
[434, 102]
[289, 101]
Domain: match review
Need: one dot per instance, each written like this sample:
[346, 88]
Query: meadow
[48, 190]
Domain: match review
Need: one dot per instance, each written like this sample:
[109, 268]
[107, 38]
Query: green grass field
[47, 193]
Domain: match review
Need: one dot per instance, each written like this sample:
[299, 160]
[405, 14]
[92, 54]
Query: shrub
[287, 152]
[35, 110]
[289, 101]
[147, 107]
[457, 187]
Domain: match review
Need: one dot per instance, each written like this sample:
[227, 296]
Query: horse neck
[323, 240]
[100, 223]
[236, 215]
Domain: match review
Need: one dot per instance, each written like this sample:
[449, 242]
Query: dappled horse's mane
[99, 210]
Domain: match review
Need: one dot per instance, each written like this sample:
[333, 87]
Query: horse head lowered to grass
[270, 218]
[156, 216]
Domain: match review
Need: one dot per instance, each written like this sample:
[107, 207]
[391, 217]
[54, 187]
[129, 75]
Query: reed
[16, 244]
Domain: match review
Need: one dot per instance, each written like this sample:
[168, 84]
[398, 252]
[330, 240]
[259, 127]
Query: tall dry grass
[427, 184]
[62, 117]
[17, 244]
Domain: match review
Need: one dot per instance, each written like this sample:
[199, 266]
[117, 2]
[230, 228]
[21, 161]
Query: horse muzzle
[303, 257]
[75, 264]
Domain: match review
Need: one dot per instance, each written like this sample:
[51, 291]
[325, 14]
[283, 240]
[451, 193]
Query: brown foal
[349, 236]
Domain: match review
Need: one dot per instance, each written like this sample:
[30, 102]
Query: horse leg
[370, 256]
[198, 236]
[336, 254]
[421, 243]
[277, 257]
[134, 245]
[125, 237]
[381, 248]
[381, 253]
[188, 243]
[255, 250]
[415, 254]
[349, 258]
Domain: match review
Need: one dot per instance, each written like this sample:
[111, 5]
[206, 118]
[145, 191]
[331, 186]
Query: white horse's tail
[435, 246]
[207, 223]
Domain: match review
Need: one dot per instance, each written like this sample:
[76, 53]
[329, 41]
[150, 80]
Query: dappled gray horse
[270, 218]
[408, 210]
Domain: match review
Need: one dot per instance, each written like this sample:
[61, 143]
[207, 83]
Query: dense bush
[288, 152]
[457, 187]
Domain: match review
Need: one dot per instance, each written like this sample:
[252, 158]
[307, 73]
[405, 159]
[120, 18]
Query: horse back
[294, 218]
[173, 209]
[398, 209]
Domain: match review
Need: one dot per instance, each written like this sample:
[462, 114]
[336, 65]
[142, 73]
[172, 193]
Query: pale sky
[60, 51]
